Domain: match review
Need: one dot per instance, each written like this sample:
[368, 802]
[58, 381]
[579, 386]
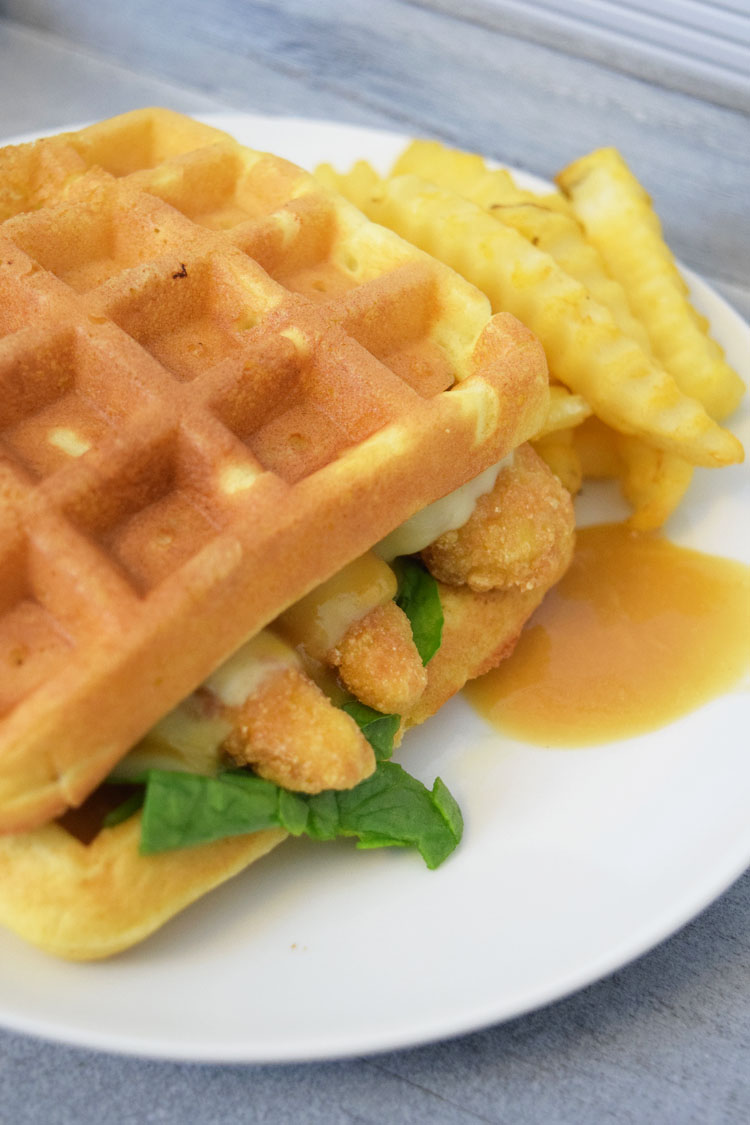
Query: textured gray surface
[666, 1039]
[652, 42]
[427, 72]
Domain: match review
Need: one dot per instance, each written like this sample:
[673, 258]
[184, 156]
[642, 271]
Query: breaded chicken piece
[479, 632]
[291, 734]
[515, 535]
[378, 662]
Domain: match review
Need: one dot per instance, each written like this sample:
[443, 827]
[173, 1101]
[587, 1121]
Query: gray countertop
[666, 1039]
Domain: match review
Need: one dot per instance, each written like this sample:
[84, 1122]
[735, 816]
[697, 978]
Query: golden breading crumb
[378, 661]
[515, 535]
[291, 734]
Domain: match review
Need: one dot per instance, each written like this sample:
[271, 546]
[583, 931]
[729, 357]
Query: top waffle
[218, 384]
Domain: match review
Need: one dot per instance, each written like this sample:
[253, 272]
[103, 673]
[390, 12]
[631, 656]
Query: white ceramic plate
[573, 862]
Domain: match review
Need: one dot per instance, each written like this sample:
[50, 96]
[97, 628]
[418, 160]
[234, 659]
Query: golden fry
[548, 221]
[558, 451]
[619, 220]
[565, 410]
[596, 445]
[468, 175]
[585, 348]
[652, 481]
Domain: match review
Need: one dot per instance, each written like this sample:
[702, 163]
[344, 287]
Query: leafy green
[181, 809]
[419, 598]
[378, 729]
[389, 808]
[448, 806]
[129, 807]
[392, 809]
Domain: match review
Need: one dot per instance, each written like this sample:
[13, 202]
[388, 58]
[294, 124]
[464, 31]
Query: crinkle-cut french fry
[565, 410]
[618, 218]
[585, 349]
[557, 449]
[546, 220]
[468, 175]
[361, 178]
[562, 237]
[596, 445]
[652, 481]
[428, 159]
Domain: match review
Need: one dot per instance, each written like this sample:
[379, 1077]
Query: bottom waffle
[90, 901]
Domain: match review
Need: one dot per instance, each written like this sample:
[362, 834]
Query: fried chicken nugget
[378, 661]
[515, 536]
[286, 712]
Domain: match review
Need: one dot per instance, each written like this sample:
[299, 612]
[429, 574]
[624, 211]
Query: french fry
[468, 175]
[564, 411]
[585, 348]
[557, 449]
[652, 481]
[596, 445]
[546, 220]
[618, 219]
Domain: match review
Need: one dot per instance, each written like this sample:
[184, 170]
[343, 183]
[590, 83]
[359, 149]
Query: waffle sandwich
[221, 387]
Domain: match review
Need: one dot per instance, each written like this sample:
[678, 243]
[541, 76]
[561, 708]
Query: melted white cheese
[446, 514]
[242, 674]
[182, 740]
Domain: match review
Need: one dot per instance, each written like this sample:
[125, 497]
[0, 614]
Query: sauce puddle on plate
[637, 633]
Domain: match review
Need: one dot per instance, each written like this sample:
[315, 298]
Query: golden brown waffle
[218, 384]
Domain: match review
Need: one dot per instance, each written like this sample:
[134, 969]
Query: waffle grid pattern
[196, 343]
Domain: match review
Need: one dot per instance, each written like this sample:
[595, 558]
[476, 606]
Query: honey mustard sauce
[637, 633]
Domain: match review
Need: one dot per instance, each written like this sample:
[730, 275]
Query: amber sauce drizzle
[637, 633]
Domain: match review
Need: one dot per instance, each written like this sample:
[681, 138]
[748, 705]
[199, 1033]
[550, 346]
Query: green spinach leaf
[389, 808]
[419, 598]
[378, 729]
